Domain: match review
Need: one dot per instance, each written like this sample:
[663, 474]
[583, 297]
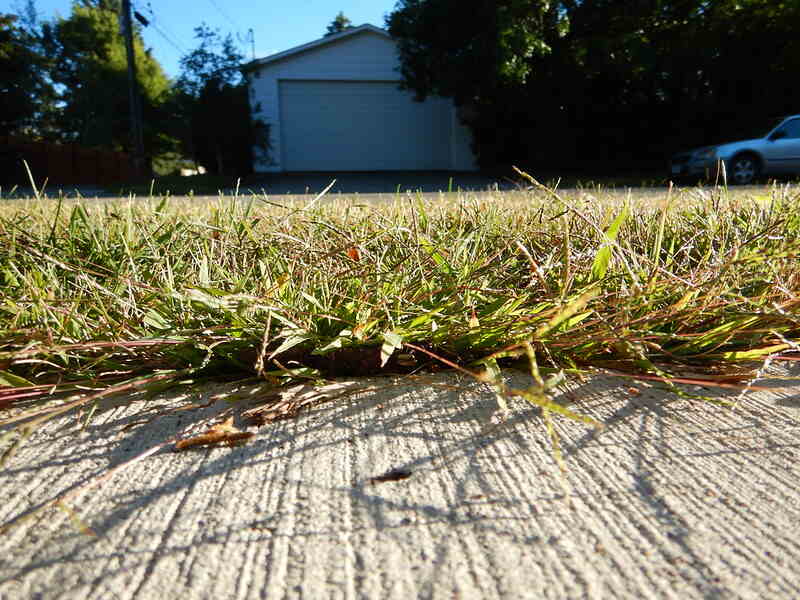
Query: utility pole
[137, 131]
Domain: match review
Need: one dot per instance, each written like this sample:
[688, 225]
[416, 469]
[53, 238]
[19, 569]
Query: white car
[776, 153]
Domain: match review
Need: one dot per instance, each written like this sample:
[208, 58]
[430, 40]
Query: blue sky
[277, 24]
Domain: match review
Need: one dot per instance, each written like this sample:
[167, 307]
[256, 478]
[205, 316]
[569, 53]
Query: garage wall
[363, 56]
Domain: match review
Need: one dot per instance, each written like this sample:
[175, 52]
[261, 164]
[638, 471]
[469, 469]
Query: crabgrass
[103, 297]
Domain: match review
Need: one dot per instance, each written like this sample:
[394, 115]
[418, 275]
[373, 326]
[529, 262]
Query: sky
[277, 24]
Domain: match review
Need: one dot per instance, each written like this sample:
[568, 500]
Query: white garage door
[361, 126]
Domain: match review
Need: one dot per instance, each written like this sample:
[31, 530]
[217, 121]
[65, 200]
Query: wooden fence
[61, 163]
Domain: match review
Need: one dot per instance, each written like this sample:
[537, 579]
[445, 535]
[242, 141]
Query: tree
[212, 108]
[25, 91]
[90, 71]
[339, 24]
[467, 55]
[600, 82]
[482, 58]
[216, 59]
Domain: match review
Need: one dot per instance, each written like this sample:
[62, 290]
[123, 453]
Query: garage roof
[255, 64]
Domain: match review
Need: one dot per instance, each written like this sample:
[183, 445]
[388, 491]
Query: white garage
[334, 105]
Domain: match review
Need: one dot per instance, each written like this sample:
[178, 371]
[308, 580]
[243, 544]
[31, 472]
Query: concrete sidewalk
[674, 499]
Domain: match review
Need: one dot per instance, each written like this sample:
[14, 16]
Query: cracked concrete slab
[412, 489]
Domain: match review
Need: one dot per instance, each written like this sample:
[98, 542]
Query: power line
[242, 39]
[225, 14]
[161, 31]
[173, 43]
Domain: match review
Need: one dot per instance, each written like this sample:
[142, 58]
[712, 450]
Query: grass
[176, 185]
[102, 298]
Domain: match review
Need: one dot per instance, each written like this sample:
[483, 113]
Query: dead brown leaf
[353, 253]
[220, 434]
[391, 475]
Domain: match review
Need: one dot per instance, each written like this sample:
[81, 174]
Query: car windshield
[755, 129]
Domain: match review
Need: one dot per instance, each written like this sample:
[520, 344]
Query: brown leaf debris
[220, 434]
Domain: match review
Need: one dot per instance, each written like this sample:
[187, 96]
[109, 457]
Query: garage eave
[272, 58]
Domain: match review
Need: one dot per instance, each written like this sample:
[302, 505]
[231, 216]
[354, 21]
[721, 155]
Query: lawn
[99, 298]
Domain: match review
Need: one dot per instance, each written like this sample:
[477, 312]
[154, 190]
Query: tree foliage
[26, 94]
[212, 108]
[577, 82]
[339, 24]
[67, 80]
[90, 70]
[467, 55]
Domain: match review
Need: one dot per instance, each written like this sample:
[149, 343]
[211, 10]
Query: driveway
[411, 488]
[381, 186]
[301, 184]
[378, 183]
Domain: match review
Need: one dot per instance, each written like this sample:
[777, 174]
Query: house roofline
[260, 62]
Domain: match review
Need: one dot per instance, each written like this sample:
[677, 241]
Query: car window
[791, 129]
[746, 130]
